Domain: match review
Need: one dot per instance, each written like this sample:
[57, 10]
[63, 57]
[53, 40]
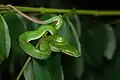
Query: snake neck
[54, 19]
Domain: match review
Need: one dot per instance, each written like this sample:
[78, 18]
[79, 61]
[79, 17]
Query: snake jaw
[60, 45]
[71, 51]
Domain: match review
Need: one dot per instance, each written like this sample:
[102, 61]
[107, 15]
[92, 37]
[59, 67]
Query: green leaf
[49, 69]
[75, 20]
[110, 42]
[53, 65]
[5, 41]
[71, 65]
[40, 71]
[112, 68]
[74, 33]
[28, 72]
[16, 28]
[37, 70]
[69, 33]
[97, 42]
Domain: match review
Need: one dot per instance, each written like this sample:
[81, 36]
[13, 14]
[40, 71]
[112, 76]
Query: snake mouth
[71, 53]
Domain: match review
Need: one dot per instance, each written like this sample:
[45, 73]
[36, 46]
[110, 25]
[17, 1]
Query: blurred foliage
[97, 42]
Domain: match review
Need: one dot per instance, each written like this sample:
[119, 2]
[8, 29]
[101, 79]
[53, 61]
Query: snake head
[71, 51]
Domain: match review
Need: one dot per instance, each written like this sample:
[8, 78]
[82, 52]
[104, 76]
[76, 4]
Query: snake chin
[72, 54]
[71, 51]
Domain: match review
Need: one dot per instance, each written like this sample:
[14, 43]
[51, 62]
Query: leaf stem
[4, 9]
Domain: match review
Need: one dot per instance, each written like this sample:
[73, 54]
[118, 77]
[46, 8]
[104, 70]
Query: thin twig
[23, 68]
[24, 15]
[29, 58]
[53, 10]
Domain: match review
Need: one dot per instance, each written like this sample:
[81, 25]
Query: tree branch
[4, 9]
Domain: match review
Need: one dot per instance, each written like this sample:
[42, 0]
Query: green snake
[53, 42]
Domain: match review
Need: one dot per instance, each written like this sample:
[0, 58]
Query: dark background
[69, 4]
[79, 4]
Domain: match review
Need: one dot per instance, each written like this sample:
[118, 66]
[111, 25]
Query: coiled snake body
[53, 42]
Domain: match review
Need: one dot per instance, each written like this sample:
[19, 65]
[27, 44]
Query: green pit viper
[53, 42]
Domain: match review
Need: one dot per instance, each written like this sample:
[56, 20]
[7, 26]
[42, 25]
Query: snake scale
[52, 42]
